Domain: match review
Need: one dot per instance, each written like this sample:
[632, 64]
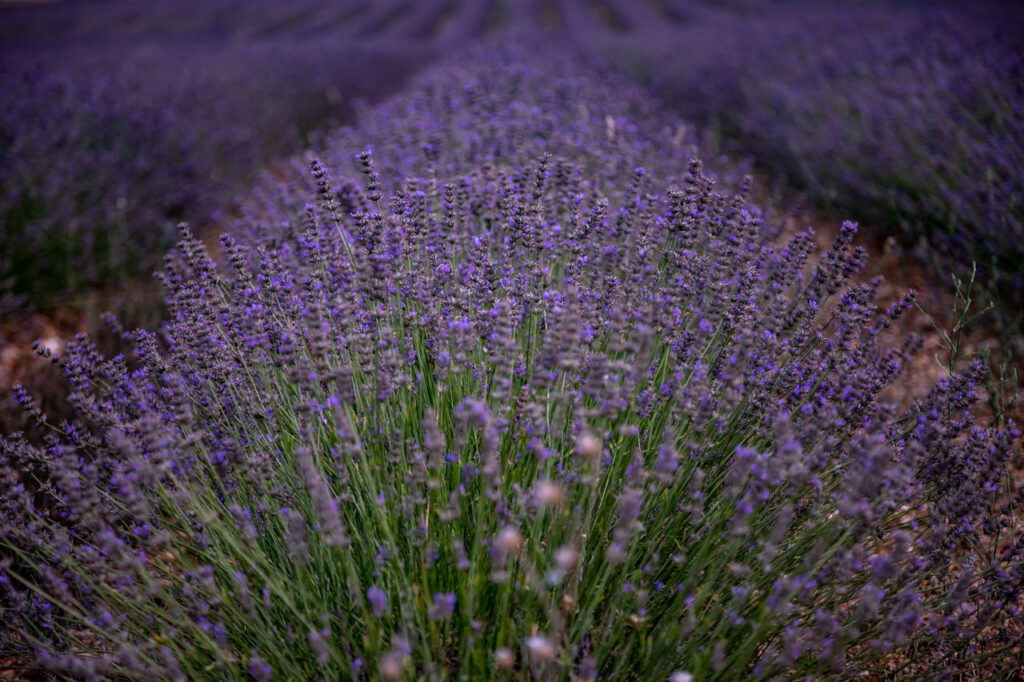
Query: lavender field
[488, 340]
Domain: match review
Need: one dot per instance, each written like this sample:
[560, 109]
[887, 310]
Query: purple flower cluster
[518, 393]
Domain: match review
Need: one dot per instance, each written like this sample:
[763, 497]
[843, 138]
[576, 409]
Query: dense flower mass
[517, 395]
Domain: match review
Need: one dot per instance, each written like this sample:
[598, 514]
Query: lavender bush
[515, 422]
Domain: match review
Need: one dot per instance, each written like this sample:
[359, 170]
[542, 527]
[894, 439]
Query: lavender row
[108, 141]
[522, 416]
[491, 109]
[361, 20]
[907, 117]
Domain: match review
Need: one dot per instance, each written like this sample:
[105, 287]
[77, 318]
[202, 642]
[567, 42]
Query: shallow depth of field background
[121, 119]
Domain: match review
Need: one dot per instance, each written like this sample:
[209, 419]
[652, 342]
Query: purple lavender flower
[442, 607]
[378, 601]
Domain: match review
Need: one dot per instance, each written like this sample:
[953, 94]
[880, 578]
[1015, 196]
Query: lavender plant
[518, 421]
